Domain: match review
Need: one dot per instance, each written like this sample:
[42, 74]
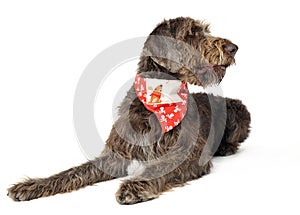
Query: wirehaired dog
[162, 146]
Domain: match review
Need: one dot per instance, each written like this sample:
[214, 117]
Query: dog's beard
[203, 76]
[210, 78]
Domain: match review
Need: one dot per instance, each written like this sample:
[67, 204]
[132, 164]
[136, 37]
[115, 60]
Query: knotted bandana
[167, 99]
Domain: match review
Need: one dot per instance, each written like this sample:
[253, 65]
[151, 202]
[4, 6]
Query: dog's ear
[164, 51]
[172, 54]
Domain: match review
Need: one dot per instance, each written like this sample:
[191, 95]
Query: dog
[158, 160]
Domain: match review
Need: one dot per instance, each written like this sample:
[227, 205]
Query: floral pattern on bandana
[167, 99]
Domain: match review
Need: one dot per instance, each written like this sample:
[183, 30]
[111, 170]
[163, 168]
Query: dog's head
[184, 48]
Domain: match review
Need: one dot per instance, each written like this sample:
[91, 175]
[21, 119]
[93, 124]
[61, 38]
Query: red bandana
[167, 99]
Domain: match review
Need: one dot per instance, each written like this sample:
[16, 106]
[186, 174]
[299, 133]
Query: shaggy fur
[136, 137]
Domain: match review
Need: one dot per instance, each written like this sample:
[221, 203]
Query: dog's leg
[237, 127]
[72, 179]
[146, 186]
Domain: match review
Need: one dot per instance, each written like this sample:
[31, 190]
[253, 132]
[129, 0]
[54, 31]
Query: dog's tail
[104, 168]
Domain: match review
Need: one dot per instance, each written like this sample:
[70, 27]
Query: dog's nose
[230, 49]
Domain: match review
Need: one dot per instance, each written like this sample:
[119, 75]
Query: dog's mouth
[219, 69]
[211, 74]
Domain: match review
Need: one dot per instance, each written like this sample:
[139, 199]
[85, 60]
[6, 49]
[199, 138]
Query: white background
[44, 47]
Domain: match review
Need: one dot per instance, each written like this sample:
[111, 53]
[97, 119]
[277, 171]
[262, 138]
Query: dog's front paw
[24, 191]
[132, 192]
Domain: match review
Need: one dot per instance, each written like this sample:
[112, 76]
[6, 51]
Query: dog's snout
[230, 49]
